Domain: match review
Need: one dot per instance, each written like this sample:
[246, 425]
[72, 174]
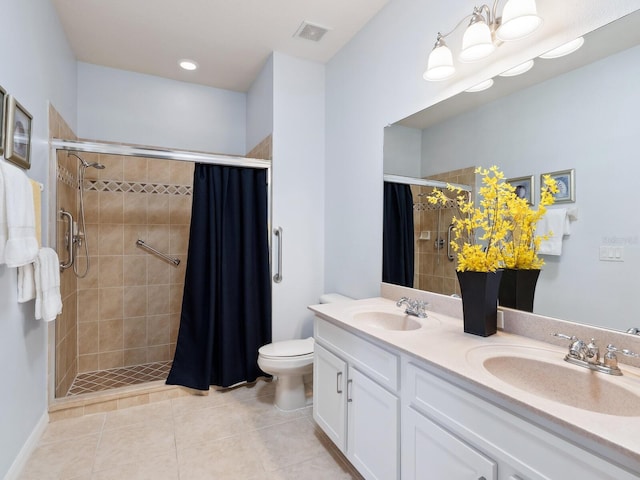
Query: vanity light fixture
[186, 64]
[483, 34]
[481, 86]
[565, 49]
[518, 69]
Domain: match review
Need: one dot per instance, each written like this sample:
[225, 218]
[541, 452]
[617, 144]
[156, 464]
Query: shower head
[85, 164]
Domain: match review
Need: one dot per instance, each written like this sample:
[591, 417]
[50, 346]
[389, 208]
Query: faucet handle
[610, 358]
[624, 351]
[572, 338]
[421, 308]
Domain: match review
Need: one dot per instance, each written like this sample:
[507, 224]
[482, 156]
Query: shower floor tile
[118, 377]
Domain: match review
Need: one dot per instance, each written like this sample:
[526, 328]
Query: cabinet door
[329, 395]
[373, 428]
[429, 451]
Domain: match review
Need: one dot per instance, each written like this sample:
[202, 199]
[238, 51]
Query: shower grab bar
[68, 239]
[450, 255]
[278, 233]
[174, 261]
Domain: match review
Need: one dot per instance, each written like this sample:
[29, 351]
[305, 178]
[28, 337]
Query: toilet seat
[288, 349]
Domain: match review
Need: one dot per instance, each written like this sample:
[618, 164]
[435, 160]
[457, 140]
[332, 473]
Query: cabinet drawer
[378, 363]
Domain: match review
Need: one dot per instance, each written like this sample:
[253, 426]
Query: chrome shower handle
[68, 239]
[450, 255]
[277, 278]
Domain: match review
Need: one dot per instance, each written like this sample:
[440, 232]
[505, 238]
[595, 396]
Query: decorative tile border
[420, 206]
[137, 187]
[65, 176]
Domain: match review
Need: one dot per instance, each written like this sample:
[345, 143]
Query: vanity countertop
[442, 345]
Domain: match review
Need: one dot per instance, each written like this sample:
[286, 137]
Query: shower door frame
[132, 151]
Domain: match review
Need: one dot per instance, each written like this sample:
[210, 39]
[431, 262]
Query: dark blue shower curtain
[397, 236]
[226, 307]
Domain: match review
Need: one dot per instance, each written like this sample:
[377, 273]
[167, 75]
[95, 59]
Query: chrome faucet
[634, 331]
[588, 355]
[417, 308]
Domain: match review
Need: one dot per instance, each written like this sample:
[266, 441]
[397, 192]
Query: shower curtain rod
[165, 154]
[423, 182]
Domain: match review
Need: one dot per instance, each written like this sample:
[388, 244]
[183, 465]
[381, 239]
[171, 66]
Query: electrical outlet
[500, 319]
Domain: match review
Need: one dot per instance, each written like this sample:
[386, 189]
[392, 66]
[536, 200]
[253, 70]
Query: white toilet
[289, 361]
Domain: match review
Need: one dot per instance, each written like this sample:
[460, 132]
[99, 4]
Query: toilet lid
[287, 348]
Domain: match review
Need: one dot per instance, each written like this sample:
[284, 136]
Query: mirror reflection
[577, 114]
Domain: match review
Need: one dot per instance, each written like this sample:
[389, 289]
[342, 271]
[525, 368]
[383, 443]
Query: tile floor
[101, 380]
[232, 435]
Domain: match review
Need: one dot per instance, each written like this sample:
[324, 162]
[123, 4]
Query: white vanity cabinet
[396, 415]
[448, 432]
[356, 401]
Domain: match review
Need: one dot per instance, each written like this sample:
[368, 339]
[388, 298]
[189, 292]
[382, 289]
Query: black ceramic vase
[480, 301]
[518, 288]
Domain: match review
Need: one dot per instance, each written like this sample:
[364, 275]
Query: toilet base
[290, 393]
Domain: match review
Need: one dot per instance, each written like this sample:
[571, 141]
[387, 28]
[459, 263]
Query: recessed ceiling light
[481, 86]
[565, 49]
[188, 64]
[523, 67]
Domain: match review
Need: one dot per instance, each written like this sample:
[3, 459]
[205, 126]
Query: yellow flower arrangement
[500, 231]
[520, 251]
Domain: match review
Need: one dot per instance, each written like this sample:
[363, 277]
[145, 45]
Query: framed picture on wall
[524, 187]
[566, 182]
[18, 134]
[3, 114]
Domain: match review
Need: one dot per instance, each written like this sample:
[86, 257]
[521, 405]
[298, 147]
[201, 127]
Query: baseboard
[27, 449]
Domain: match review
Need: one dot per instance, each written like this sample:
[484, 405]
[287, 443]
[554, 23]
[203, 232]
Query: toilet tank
[334, 298]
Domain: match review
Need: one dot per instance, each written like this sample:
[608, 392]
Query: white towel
[26, 283]
[555, 222]
[22, 246]
[47, 275]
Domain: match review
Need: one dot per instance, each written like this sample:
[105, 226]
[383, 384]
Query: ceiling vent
[309, 31]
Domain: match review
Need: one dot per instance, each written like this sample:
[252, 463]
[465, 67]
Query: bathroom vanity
[413, 398]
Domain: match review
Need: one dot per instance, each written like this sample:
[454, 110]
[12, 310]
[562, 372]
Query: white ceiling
[229, 39]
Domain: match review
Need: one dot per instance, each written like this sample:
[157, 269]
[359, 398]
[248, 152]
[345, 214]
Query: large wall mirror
[579, 112]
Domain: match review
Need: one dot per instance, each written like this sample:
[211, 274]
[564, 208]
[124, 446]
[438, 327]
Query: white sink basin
[388, 321]
[545, 374]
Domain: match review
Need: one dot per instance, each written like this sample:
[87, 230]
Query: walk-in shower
[120, 319]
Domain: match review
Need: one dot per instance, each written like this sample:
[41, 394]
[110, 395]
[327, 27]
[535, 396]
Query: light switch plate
[611, 253]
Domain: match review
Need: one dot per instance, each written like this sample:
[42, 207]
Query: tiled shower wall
[66, 359]
[129, 303]
[433, 270]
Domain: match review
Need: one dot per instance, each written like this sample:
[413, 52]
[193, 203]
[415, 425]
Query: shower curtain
[397, 236]
[226, 308]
